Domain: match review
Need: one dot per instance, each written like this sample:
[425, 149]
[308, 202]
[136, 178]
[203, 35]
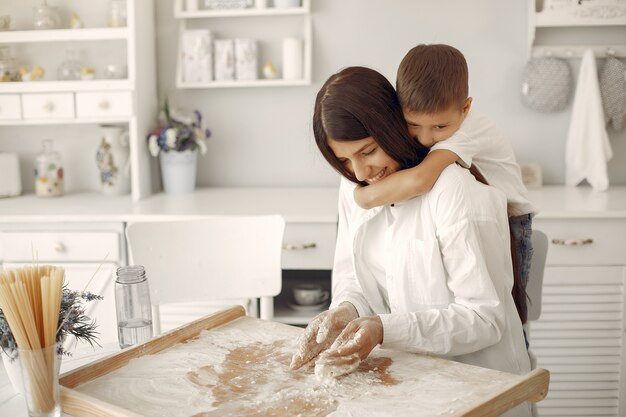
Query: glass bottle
[46, 17]
[71, 68]
[8, 69]
[117, 13]
[132, 305]
[48, 171]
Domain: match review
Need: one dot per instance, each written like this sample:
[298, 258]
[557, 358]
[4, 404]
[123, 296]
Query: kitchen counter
[296, 205]
[579, 202]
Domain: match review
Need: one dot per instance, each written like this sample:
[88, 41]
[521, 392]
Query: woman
[430, 275]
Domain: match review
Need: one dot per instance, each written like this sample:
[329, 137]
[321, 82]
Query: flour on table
[328, 374]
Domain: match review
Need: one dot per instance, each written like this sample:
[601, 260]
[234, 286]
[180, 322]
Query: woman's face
[364, 158]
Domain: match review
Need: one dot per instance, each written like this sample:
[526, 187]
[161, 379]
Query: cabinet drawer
[10, 107]
[309, 246]
[48, 106]
[60, 246]
[100, 104]
[584, 242]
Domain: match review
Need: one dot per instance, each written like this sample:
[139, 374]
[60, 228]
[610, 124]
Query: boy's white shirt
[481, 142]
[448, 275]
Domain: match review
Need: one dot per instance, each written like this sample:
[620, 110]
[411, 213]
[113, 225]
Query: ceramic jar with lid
[48, 171]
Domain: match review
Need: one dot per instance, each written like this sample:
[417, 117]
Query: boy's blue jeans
[521, 230]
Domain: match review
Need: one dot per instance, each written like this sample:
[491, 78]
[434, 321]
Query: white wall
[262, 136]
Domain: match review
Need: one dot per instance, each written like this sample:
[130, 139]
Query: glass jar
[71, 68]
[132, 306]
[46, 17]
[8, 68]
[117, 13]
[48, 171]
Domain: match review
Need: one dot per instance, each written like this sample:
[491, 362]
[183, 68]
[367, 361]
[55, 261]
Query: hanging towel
[613, 91]
[588, 148]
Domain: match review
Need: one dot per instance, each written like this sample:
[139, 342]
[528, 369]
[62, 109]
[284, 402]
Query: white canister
[260, 4]
[191, 5]
[224, 59]
[293, 54]
[178, 171]
[246, 59]
[113, 160]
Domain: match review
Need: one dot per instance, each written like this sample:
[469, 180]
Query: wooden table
[239, 367]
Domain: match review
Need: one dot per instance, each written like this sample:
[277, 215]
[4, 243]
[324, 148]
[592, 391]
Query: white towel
[588, 148]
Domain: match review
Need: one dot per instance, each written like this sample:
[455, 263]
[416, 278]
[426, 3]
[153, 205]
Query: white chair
[209, 259]
[534, 289]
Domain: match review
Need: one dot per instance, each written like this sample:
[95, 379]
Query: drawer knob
[49, 107]
[104, 105]
[572, 242]
[304, 246]
[60, 247]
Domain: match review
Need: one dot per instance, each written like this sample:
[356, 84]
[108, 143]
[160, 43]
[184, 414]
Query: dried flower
[72, 321]
[180, 132]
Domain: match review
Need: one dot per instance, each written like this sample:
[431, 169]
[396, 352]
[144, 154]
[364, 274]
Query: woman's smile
[377, 177]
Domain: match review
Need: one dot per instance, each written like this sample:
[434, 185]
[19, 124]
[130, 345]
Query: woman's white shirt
[447, 271]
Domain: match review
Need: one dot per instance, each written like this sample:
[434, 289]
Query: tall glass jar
[117, 13]
[48, 171]
[132, 305]
[8, 68]
[71, 68]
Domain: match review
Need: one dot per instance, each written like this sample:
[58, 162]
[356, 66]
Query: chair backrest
[535, 279]
[210, 258]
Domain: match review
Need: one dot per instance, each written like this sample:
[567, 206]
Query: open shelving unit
[545, 15]
[137, 110]
[302, 12]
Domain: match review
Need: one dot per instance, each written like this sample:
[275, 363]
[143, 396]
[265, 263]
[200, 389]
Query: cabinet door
[579, 339]
[77, 278]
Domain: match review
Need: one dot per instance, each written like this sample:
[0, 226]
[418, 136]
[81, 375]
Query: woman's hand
[360, 336]
[322, 332]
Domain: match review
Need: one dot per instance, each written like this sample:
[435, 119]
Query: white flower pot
[178, 171]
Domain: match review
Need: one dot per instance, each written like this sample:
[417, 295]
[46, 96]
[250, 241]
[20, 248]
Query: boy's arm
[407, 183]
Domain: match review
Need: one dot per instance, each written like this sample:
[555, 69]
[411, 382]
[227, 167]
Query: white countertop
[579, 202]
[306, 205]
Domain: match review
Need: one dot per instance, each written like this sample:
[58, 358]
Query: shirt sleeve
[462, 145]
[471, 248]
[345, 286]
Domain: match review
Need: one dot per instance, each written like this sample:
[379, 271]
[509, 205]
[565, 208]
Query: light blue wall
[262, 136]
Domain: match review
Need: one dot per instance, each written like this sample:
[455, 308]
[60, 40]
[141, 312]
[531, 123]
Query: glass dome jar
[71, 68]
[46, 16]
[48, 171]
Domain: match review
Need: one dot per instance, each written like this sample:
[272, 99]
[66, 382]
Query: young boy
[432, 86]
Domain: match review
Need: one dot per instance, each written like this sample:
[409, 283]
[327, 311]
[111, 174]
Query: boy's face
[429, 129]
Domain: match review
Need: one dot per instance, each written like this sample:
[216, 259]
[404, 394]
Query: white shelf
[42, 122]
[249, 83]
[559, 19]
[202, 14]
[61, 35]
[58, 86]
[284, 314]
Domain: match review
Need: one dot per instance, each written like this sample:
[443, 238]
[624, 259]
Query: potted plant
[177, 143]
[73, 321]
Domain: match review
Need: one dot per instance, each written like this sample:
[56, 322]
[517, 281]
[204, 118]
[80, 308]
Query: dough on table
[327, 373]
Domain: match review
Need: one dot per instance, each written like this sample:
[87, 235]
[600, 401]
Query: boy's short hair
[431, 78]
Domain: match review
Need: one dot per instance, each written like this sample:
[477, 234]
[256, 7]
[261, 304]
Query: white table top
[306, 205]
[13, 404]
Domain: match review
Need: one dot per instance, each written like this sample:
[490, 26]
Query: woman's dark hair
[357, 103]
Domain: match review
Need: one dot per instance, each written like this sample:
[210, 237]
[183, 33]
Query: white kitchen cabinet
[130, 101]
[580, 336]
[90, 254]
[238, 22]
